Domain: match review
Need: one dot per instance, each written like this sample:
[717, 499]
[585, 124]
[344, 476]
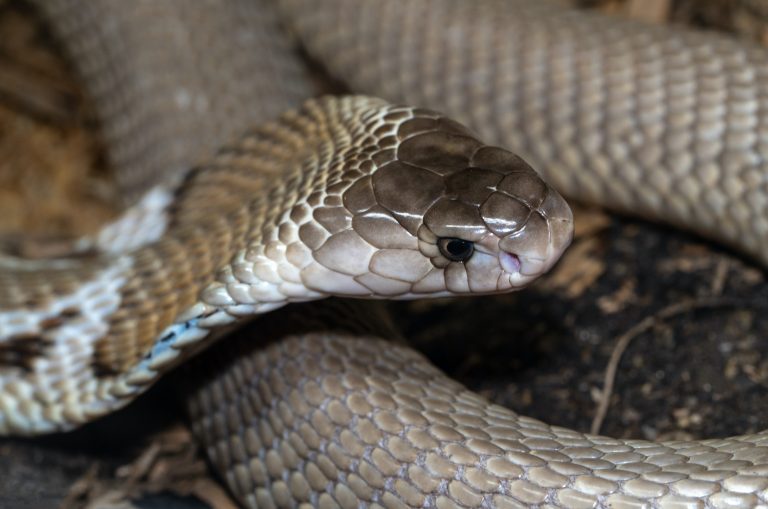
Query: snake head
[496, 227]
[430, 210]
[483, 217]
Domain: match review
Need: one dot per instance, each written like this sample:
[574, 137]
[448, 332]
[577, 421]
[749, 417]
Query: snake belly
[666, 124]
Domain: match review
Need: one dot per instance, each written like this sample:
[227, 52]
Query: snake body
[354, 196]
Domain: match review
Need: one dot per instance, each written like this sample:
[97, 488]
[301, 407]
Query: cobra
[357, 197]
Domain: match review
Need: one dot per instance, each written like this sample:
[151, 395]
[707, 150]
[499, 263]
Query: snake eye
[456, 250]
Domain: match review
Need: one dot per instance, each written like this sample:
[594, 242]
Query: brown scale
[35, 288]
[22, 350]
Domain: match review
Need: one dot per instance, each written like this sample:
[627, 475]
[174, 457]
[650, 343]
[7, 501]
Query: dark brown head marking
[20, 351]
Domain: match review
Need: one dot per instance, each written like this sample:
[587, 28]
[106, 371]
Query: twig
[625, 339]
[721, 273]
[82, 489]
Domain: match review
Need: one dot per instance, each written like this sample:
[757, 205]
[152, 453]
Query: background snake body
[356, 197]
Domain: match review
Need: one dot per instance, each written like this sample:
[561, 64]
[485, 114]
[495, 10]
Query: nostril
[510, 262]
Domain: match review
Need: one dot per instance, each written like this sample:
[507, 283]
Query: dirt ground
[682, 322]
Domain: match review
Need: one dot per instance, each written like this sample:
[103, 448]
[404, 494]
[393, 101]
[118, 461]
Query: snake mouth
[510, 262]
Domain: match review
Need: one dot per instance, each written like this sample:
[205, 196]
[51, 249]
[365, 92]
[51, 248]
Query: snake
[249, 191]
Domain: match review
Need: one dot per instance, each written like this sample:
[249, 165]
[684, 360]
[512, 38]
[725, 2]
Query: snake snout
[532, 223]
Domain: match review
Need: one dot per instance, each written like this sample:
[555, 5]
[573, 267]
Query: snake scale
[356, 196]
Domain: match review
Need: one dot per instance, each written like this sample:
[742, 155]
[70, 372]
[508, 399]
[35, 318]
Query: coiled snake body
[354, 196]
